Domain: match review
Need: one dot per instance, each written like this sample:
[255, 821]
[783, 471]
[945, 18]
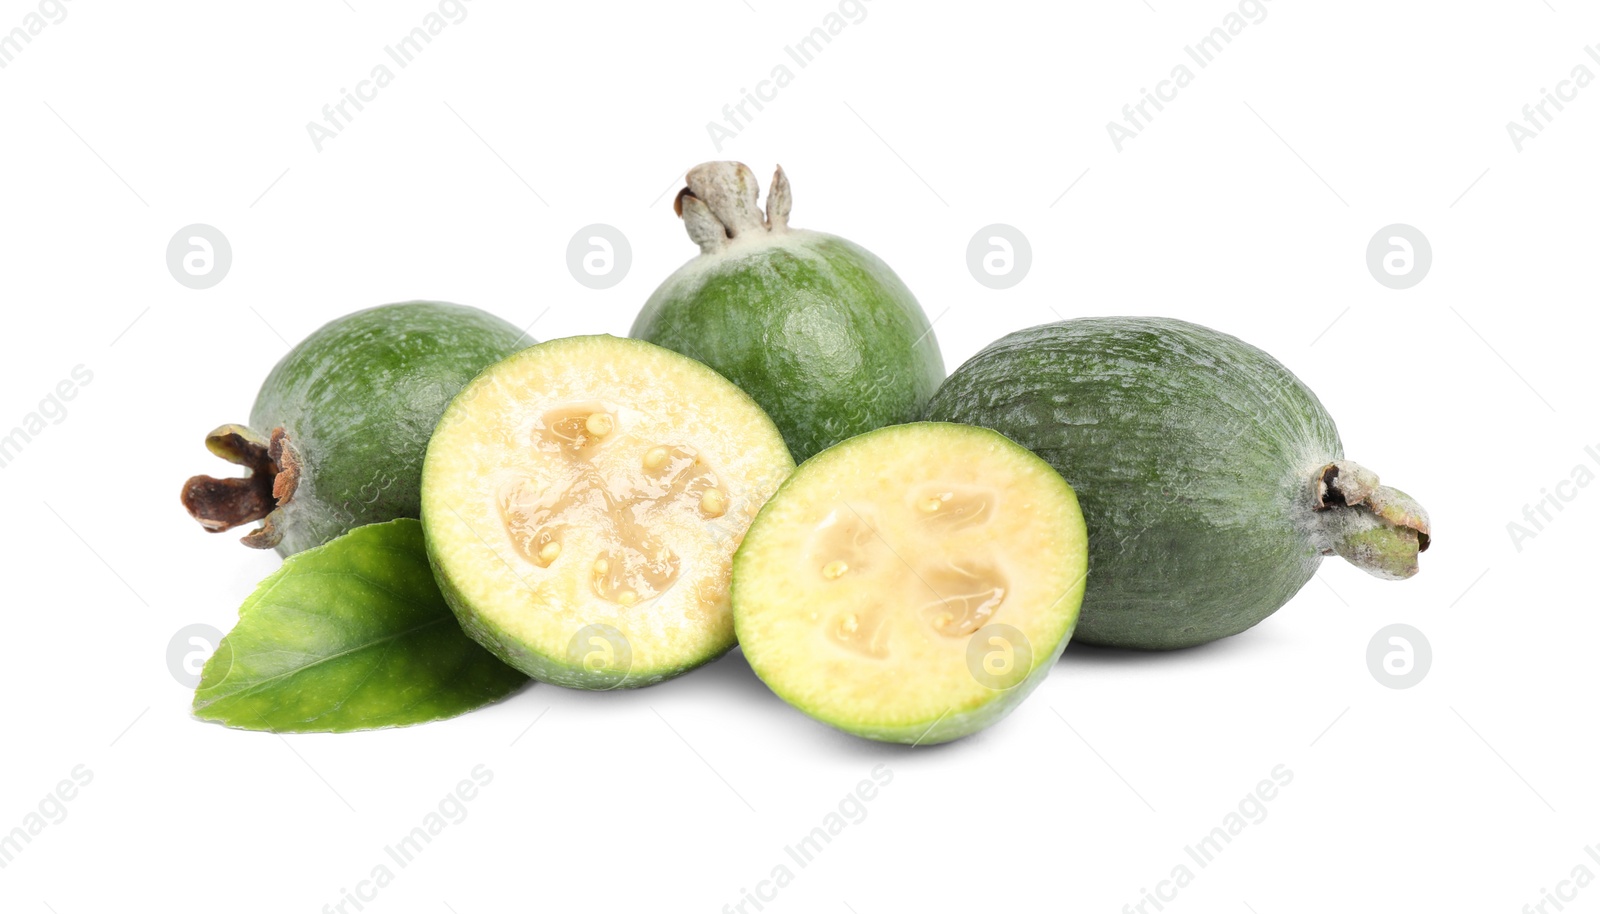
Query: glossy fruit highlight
[818, 330]
[339, 427]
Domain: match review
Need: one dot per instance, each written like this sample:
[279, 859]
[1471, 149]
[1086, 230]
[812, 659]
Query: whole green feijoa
[1212, 480]
[341, 424]
[814, 328]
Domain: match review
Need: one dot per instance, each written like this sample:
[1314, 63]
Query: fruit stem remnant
[222, 504]
[719, 205]
[1379, 529]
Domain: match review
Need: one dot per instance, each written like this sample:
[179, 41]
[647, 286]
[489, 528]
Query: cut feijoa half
[582, 502]
[912, 584]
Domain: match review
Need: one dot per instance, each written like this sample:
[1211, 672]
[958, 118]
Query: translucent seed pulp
[634, 565]
[953, 596]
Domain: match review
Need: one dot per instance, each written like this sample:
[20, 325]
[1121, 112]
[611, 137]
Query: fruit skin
[1202, 466]
[357, 401]
[954, 724]
[817, 329]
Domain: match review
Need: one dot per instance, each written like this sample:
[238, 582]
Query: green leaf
[352, 635]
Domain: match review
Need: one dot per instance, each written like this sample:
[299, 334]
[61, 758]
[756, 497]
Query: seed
[835, 569]
[601, 566]
[599, 424]
[655, 458]
[849, 624]
[942, 620]
[549, 552]
[627, 598]
[930, 505]
[713, 503]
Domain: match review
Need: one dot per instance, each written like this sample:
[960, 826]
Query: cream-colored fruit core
[567, 501]
[632, 565]
[953, 595]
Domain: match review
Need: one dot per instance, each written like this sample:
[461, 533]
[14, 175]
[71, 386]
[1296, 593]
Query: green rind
[950, 726]
[1192, 453]
[543, 667]
[352, 635]
[956, 726]
[540, 666]
[817, 329]
[359, 399]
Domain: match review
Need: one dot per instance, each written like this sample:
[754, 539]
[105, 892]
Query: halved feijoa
[912, 584]
[582, 501]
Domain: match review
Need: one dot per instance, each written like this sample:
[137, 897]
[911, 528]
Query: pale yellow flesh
[597, 481]
[862, 587]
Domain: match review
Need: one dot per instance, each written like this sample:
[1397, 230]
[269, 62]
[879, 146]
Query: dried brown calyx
[719, 205]
[274, 474]
[1379, 529]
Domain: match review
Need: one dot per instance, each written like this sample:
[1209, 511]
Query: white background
[1246, 205]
